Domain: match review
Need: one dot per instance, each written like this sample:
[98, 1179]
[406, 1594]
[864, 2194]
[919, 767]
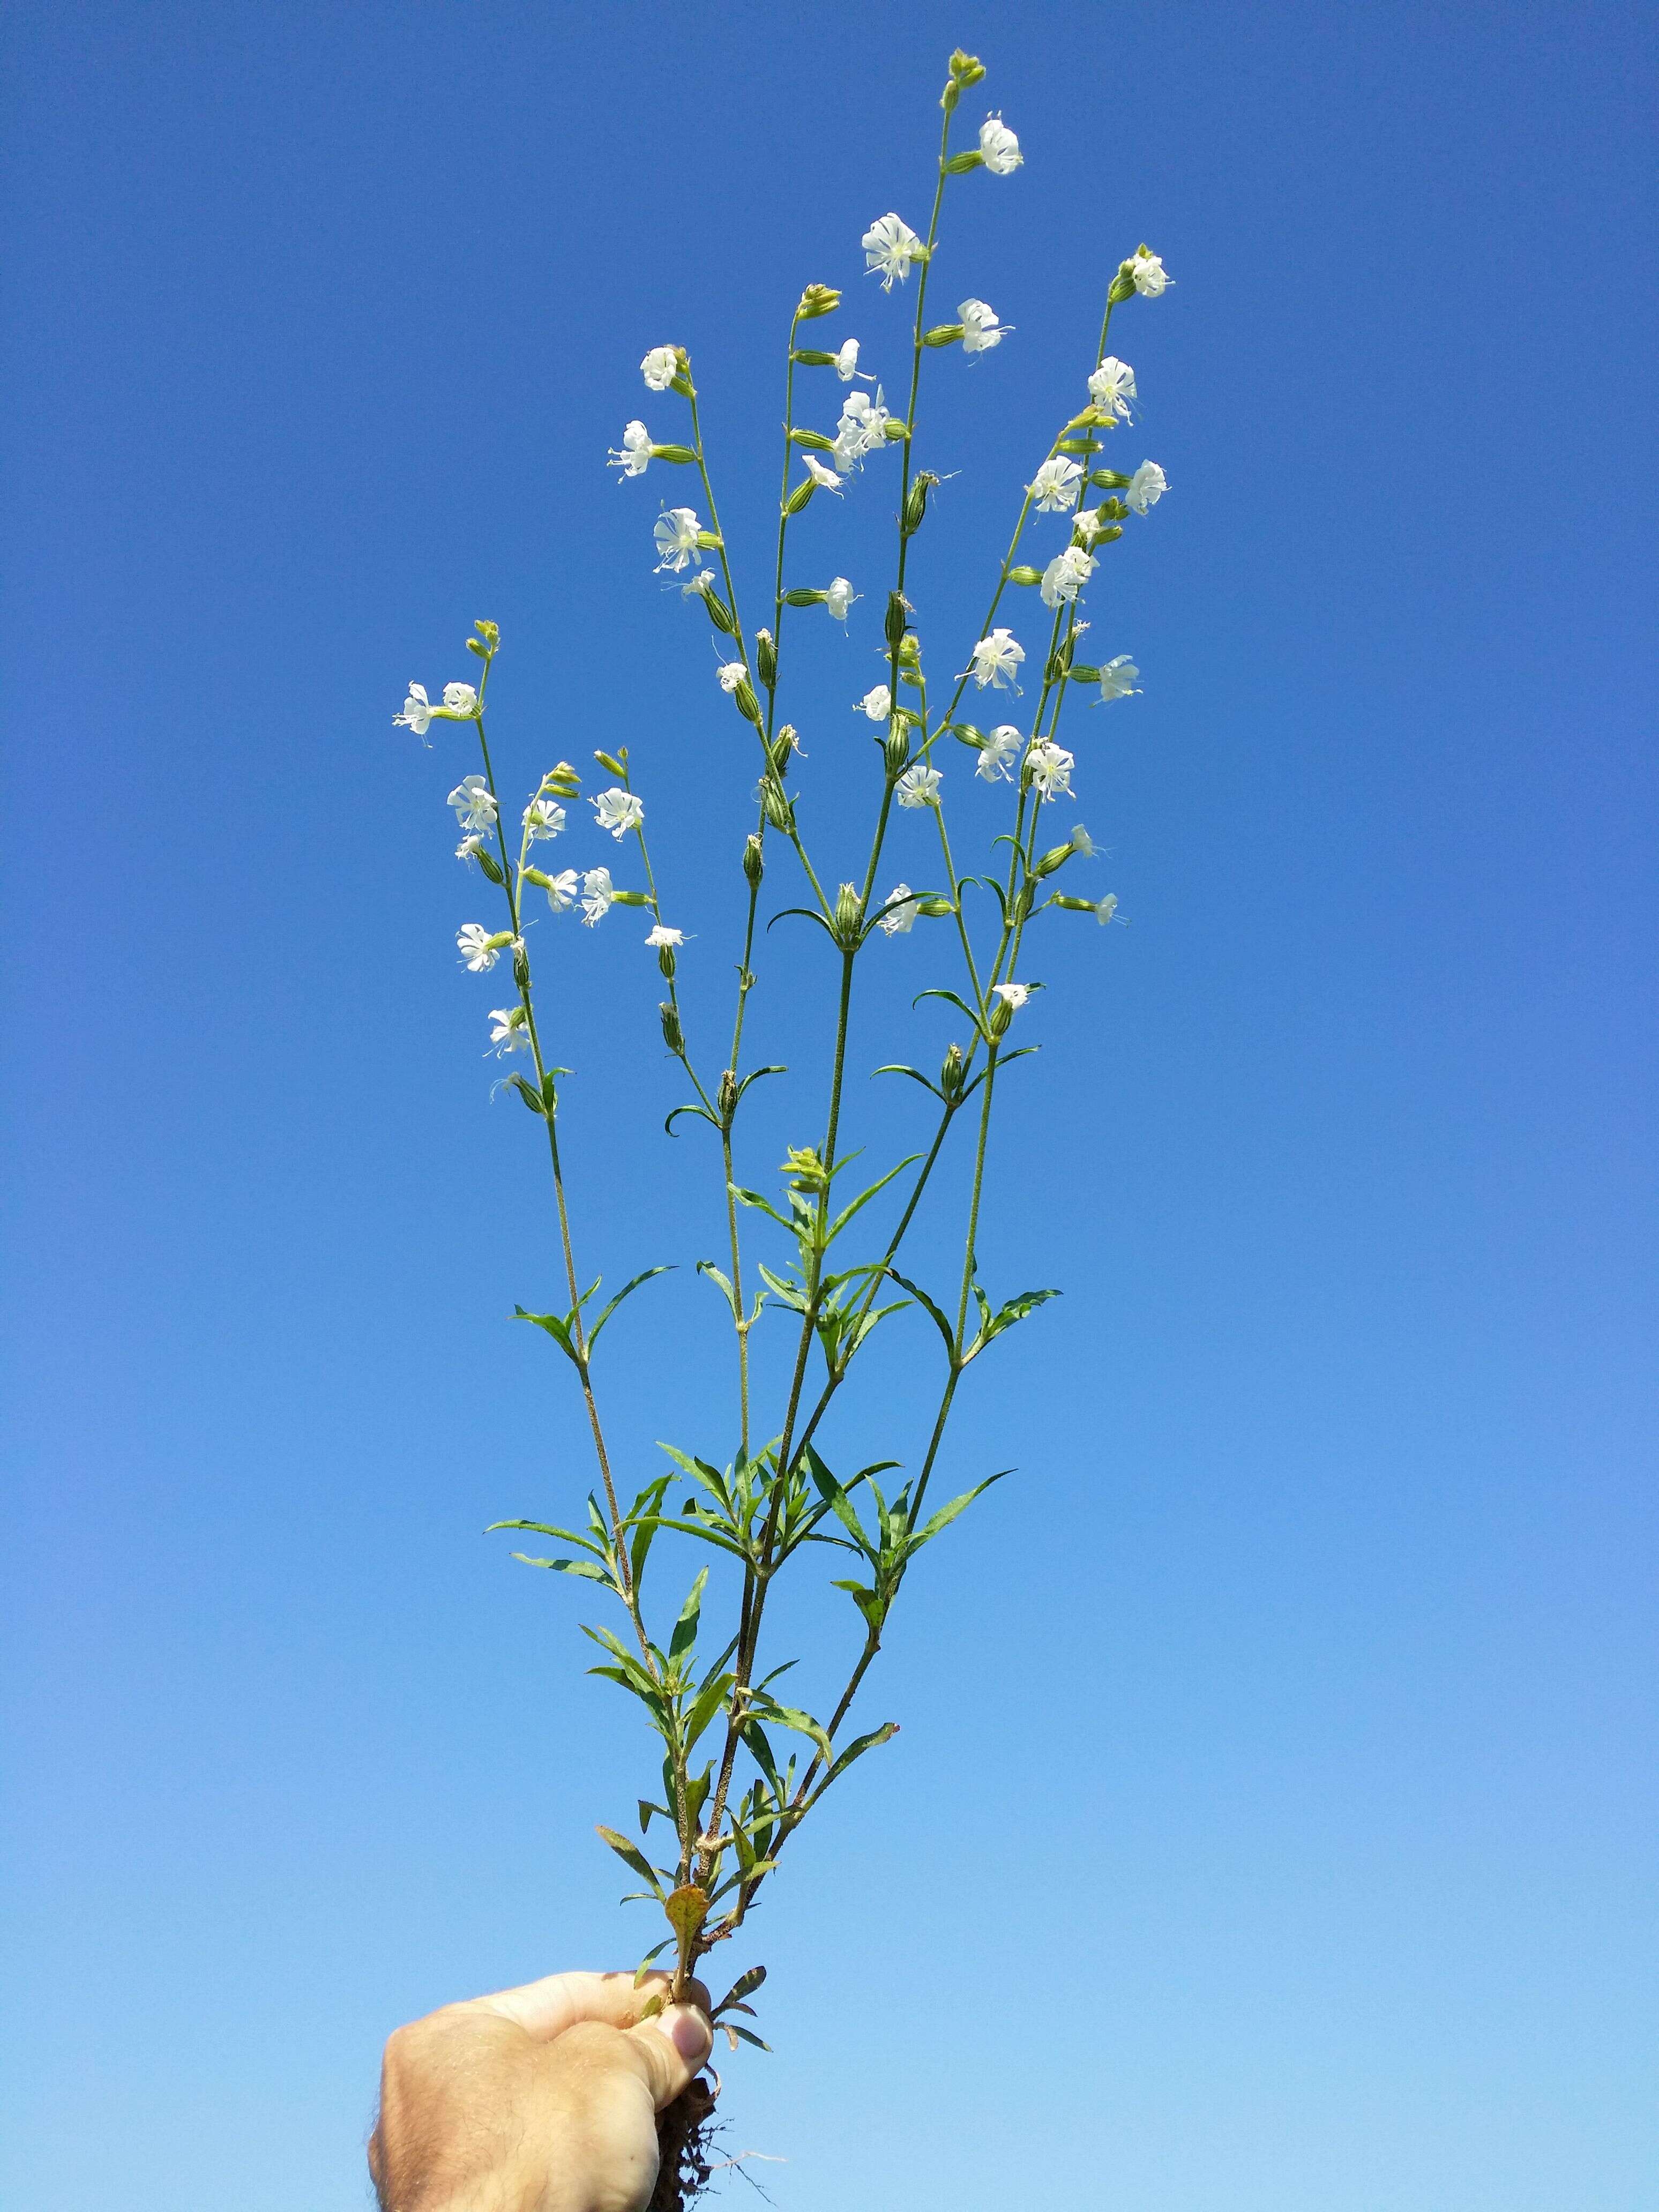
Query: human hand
[543, 2099]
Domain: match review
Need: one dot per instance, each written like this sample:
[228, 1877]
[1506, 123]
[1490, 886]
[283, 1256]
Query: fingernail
[689, 2032]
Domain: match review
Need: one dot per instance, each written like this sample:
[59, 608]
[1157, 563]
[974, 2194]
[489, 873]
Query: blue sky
[1271, 1829]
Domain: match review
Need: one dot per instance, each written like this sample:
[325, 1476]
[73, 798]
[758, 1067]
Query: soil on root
[685, 2139]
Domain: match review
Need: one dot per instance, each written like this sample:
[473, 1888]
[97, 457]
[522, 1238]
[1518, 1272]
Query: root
[685, 2137]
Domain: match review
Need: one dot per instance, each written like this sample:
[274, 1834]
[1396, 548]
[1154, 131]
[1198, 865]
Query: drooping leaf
[936, 1313]
[585, 1568]
[746, 1985]
[632, 1856]
[557, 1328]
[687, 1908]
[857, 1748]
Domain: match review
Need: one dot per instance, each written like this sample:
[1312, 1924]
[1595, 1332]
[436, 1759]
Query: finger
[673, 2046]
[546, 2008]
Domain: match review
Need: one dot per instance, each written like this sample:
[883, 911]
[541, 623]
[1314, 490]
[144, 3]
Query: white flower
[468, 848]
[1105, 909]
[999, 147]
[659, 936]
[702, 579]
[542, 817]
[417, 712]
[1146, 487]
[877, 703]
[997, 755]
[1055, 485]
[996, 657]
[1117, 680]
[1048, 769]
[1065, 575]
[509, 1033]
[730, 674]
[822, 475]
[474, 807]
[1012, 995]
[981, 330]
[618, 810]
[478, 947]
[919, 787]
[847, 361]
[862, 430]
[562, 890]
[460, 699]
[598, 891]
[1112, 387]
[1083, 844]
[1147, 270]
[676, 534]
[660, 368]
[635, 454]
[900, 918]
[838, 597]
[891, 246]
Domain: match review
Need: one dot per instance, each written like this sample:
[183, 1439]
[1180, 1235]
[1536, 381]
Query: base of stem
[685, 2132]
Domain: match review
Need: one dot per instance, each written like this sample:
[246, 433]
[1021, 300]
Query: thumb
[672, 2046]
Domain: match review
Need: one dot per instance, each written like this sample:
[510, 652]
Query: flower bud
[910, 651]
[818, 299]
[1111, 480]
[1055, 857]
[719, 613]
[998, 1018]
[959, 164]
[490, 633]
[521, 967]
[814, 440]
[631, 898]
[943, 334]
[681, 454]
[672, 1035]
[897, 614]
[810, 357]
[953, 1073]
[666, 961]
[563, 780]
[936, 907]
[966, 69]
[766, 657]
[896, 433]
[1025, 575]
[1122, 287]
[895, 749]
[779, 749]
[608, 760]
[850, 913]
[525, 1091]
[473, 646]
[779, 810]
[530, 875]
[726, 1097]
[801, 496]
[746, 703]
[915, 501]
[492, 866]
[754, 858]
[1081, 672]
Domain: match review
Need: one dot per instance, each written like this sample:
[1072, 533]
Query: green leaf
[947, 1514]
[746, 1985]
[723, 1283]
[633, 1857]
[546, 1528]
[802, 1723]
[743, 2035]
[707, 1704]
[865, 1197]
[937, 1313]
[583, 1567]
[627, 1288]
[894, 1068]
[857, 1748]
[701, 1112]
[685, 1628]
[558, 1329]
[761, 1205]
[650, 1958]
